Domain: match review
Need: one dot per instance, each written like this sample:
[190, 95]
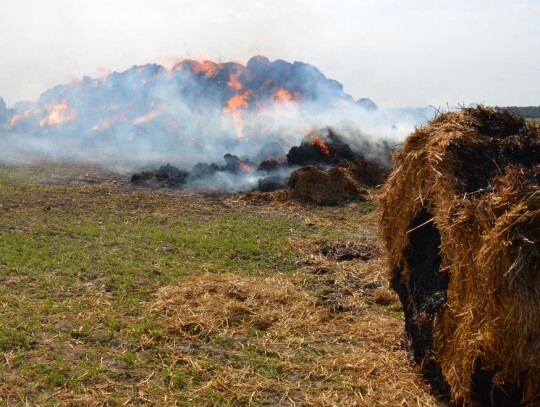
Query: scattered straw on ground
[304, 353]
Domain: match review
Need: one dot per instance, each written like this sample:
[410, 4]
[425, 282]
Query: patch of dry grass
[285, 348]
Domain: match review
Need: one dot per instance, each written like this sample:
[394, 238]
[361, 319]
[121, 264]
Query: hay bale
[460, 216]
[369, 173]
[332, 187]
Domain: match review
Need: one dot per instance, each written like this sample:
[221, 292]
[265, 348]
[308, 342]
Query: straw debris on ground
[296, 345]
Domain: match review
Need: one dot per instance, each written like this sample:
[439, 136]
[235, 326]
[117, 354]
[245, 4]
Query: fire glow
[149, 116]
[198, 108]
[317, 141]
[234, 81]
[237, 102]
[283, 95]
[57, 114]
[209, 68]
[234, 106]
[109, 121]
[245, 167]
[26, 114]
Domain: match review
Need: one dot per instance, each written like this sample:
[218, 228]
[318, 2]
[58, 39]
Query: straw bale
[309, 184]
[460, 216]
[369, 173]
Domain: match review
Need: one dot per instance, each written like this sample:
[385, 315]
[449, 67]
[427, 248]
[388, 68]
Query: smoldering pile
[323, 170]
[460, 216]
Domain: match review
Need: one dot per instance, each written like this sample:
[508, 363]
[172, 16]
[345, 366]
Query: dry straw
[317, 357]
[460, 216]
[309, 184]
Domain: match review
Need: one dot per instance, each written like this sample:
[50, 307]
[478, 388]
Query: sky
[406, 53]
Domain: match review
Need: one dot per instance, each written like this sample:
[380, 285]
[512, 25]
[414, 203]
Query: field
[112, 295]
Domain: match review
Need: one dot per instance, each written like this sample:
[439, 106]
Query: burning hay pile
[344, 181]
[322, 170]
[460, 216]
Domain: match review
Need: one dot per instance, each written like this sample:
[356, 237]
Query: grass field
[116, 296]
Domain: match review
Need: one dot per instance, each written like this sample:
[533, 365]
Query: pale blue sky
[399, 53]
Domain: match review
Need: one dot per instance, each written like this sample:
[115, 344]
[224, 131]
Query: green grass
[79, 270]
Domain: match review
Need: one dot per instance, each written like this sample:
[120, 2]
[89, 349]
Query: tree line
[529, 112]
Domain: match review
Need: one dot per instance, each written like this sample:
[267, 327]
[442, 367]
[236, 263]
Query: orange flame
[109, 121]
[26, 113]
[237, 102]
[245, 167]
[283, 95]
[234, 105]
[317, 141]
[57, 114]
[150, 115]
[15, 119]
[234, 82]
[209, 68]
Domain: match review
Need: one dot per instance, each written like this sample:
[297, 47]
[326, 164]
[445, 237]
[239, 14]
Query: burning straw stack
[460, 216]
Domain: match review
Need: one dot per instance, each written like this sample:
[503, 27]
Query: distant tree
[529, 112]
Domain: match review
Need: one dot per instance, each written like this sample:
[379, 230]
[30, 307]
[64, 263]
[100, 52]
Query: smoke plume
[196, 111]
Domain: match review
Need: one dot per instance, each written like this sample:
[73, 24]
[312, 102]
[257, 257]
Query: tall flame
[234, 105]
[317, 141]
[57, 114]
[237, 102]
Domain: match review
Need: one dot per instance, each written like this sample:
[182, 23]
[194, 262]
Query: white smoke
[149, 115]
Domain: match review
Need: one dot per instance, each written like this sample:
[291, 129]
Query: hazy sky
[399, 53]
